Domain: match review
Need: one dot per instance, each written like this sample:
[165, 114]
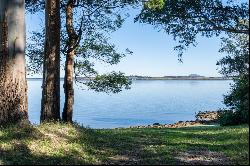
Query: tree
[13, 83]
[51, 64]
[186, 19]
[236, 65]
[84, 40]
[87, 42]
[69, 66]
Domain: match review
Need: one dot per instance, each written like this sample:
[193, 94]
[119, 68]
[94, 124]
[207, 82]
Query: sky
[153, 51]
[154, 55]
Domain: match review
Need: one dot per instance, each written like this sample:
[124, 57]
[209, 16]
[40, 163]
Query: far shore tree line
[76, 35]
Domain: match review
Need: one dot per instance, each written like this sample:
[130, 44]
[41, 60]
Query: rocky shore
[202, 118]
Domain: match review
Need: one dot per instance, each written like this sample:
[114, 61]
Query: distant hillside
[189, 77]
[195, 75]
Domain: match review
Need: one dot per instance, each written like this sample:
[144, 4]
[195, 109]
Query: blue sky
[153, 53]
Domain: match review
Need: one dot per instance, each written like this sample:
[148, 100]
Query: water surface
[148, 102]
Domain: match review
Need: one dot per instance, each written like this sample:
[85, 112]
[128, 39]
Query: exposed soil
[202, 157]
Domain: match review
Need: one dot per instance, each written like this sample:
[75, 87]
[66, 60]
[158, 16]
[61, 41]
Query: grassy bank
[67, 144]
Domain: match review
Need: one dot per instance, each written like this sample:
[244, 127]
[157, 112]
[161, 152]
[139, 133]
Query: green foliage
[96, 24]
[34, 52]
[66, 144]
[236, 64]
[34, 6]
[154, 4]
[232, 117]
[228, 117]
[96, 47]
[94, 21]
[186, 19]
[113, 82]
[84, 67]
[238, 99]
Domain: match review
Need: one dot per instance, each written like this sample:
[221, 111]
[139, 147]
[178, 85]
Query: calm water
[146, 103]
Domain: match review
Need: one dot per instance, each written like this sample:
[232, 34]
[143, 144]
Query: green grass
[72, 144]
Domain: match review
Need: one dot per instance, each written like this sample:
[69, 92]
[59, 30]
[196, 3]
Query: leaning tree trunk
[13, 83]
[51, 71]
[69, 65]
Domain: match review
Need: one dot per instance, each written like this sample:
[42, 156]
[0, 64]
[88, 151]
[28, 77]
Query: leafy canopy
[186, 19]
[94, 21]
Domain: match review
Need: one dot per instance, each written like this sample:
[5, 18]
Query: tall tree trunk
[69, 65]
[51, 71]
[13, 83]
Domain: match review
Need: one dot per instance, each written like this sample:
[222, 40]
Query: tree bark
[51, 68]
[13, 83]
[69, 65]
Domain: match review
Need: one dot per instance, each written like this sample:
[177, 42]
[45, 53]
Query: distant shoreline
[161, 78]
[190, 77]
[182, 78]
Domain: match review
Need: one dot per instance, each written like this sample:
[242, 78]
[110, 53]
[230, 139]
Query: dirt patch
[122, 160]
[202, 157]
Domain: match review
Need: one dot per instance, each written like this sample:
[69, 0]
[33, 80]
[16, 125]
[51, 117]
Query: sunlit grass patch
[57, 143]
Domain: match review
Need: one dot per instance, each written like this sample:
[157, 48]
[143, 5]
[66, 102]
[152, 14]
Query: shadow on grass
[130, 146]
[14, 149]
[161, 146]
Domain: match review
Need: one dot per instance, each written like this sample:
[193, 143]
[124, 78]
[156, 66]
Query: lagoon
[147, 102]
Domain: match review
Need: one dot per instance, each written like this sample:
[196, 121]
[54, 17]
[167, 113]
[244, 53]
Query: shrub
[228, 117]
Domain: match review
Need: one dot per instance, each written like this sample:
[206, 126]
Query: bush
[227, 117]
[230, 117]
[236, 65]
[238, 100]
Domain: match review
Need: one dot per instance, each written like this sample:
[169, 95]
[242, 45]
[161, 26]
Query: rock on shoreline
[202, 118]
[208, 116]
